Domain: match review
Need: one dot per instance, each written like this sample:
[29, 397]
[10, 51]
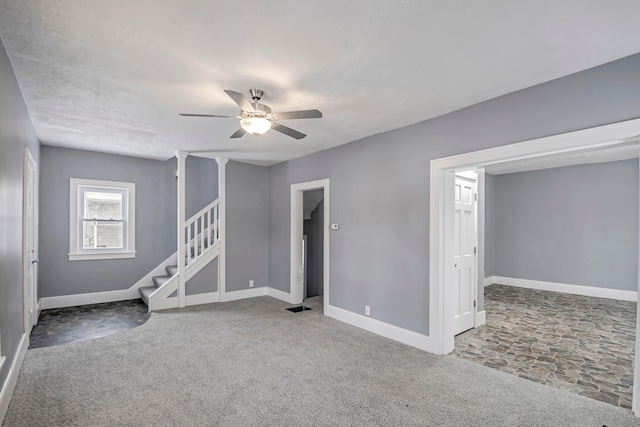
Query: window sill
[102, 255]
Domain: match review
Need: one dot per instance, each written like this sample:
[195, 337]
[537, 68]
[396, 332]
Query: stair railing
[202, 231]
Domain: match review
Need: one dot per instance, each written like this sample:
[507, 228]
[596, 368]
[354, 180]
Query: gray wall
[201, 183]
[155, 220]
[156, 190]
[380, 186]
[575, 225]
[205, 281]
[489, 225]
[247, 196]
[16, 133]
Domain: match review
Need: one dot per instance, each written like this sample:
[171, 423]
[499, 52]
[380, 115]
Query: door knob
[36, 261]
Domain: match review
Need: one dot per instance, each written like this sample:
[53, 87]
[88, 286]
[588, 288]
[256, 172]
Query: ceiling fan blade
[303, 114]
[287, 131]
[238, 133]
[240, 99]
[207, 115]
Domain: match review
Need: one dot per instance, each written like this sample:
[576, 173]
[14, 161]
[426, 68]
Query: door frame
[27, 260]
[296, 291]
[442, 171]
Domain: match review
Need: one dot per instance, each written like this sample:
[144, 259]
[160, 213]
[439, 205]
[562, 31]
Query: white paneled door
[464, 254]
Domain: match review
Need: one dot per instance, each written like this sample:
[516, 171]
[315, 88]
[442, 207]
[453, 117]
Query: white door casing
[30, 241]
[296, 270]
[463, 260]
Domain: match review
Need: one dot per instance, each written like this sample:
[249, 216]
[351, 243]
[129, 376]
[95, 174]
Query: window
[102, 220]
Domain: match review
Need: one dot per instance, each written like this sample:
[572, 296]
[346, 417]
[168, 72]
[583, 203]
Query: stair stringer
[161, 299]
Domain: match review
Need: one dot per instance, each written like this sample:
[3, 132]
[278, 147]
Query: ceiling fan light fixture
[255, 125]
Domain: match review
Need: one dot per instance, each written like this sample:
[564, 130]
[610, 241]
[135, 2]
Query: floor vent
[298, 309]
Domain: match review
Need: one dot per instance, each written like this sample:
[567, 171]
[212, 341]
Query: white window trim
[75, 253]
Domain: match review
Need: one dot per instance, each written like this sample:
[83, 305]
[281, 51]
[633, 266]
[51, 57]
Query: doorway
[30, 241]
[310, 261]
[614, 136]
[313, 222]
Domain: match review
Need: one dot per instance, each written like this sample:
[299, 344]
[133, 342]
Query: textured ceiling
[112, 76]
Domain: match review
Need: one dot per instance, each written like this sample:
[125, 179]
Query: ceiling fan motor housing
[256, 94]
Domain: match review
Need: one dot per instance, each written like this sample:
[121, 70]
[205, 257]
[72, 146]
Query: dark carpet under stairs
[70, 324]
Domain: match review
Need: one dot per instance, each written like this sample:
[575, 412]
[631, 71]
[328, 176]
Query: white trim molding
[204, 298]
[396, 333]
[181, 157]
[256, 292]
[47, 303]
[589, 291]
[481, 318]
[10, 384]
[278, 294]
[244, 294]
[222, 226]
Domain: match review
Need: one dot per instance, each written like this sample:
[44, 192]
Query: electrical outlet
[251, 283]
[367, 310]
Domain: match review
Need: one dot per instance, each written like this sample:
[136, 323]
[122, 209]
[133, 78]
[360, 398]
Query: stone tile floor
[70, 324]
[584, 345]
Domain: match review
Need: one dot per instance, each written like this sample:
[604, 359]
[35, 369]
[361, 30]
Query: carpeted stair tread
[145, 292]
[172, 270]
[160, 280]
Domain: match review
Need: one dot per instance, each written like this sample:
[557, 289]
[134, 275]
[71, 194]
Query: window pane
[98, 235]
[102, 205]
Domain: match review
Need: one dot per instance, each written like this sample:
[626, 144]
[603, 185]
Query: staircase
[201, 240]
[158, 281]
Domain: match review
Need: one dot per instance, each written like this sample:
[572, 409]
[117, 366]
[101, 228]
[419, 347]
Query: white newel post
[181, 156]
[222, 272]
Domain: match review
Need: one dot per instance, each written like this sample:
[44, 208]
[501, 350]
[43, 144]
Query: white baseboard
[481, 318]
[489, 281]
[38, 311]
[244, 293]
[405, 336]
[277, 294]
[88, 298]
[255, 292]
[206, 298]
[12, 378]
[588, 291]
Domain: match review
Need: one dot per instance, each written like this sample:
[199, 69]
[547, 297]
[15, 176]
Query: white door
[30, 238]
[464, 255]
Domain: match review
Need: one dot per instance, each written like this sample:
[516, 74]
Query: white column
[181, 156]
[222, 267]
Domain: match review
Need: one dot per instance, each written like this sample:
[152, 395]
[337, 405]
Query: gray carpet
[252, 363]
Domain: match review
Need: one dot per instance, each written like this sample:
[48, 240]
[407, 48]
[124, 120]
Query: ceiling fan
[256, 118]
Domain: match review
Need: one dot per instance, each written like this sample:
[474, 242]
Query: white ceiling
[112, 76]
